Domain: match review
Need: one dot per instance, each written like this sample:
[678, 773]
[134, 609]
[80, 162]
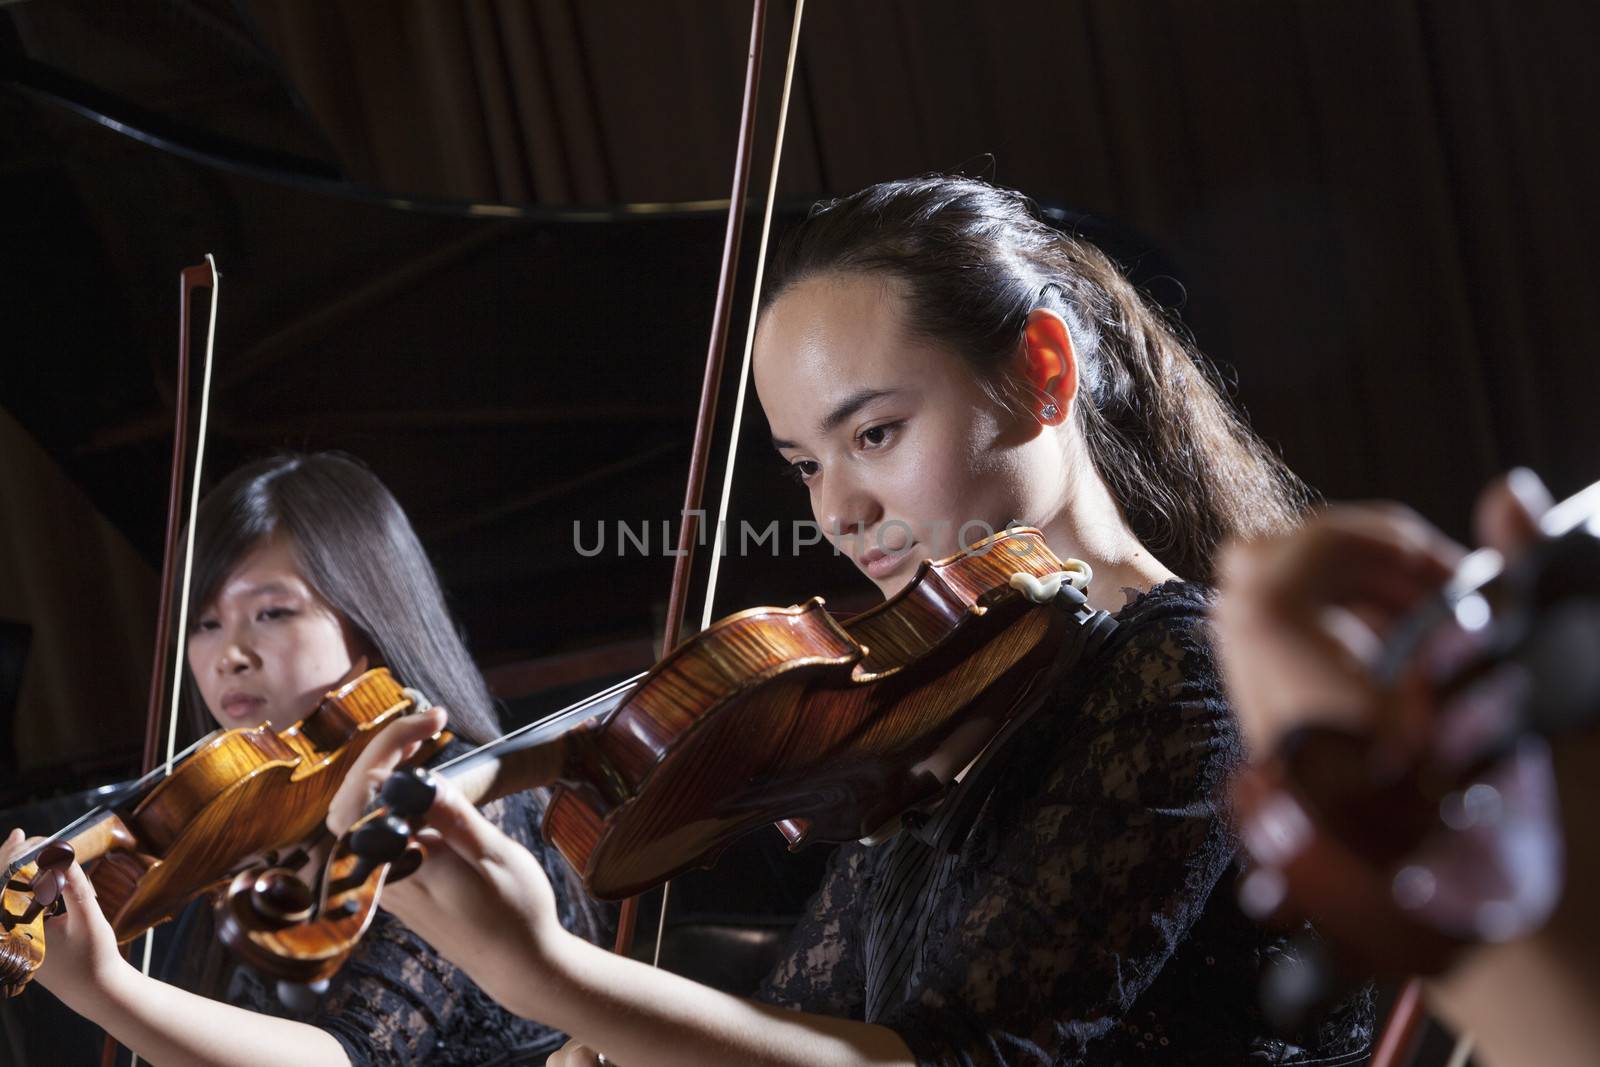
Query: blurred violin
[1405, 852]
[237, 798]
[771, 715]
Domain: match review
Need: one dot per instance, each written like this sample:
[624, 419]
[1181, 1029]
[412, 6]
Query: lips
[880, 564]
[238, 705]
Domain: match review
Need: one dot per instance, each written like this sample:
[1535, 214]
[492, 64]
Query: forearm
[166, 1025]
[640, 1015]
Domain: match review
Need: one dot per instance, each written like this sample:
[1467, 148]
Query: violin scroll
[273, 920]
[22, 947]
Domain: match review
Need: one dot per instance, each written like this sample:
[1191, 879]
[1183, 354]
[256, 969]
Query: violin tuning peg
[280, 898]
[409, 793]
[407, 864]
[380, 841]
[57, 856]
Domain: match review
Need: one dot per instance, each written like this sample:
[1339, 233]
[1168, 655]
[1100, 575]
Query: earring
[1049, 413]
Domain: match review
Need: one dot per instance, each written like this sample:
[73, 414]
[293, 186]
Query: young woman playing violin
[932, 356]
[307, 571]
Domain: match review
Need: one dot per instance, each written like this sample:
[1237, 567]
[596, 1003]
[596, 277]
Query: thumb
[393, 744]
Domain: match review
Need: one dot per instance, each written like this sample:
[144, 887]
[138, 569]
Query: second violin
[238, 797]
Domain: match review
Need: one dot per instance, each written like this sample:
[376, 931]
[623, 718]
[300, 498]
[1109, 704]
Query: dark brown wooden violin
[1340, 826]
[772, 715]
[236, 798]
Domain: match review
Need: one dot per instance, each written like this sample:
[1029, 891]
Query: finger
[576, 1054]
[463, 827]
[78, 892]
[382, 755]
[1507, 513]
[1380, 560]
[12, 846]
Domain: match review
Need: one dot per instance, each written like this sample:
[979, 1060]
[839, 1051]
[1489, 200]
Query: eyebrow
[268, 587]
[841, 411]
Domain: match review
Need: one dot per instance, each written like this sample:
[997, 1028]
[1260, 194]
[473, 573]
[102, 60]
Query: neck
[1088, 524]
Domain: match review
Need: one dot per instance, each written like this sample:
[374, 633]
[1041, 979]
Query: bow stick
[200, 276]
[716, 351]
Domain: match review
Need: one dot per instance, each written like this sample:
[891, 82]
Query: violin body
[782, 715]
[772, 715]
[243, 797]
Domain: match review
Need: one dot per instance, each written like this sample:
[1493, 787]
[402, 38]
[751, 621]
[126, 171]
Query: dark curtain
[1379, 210]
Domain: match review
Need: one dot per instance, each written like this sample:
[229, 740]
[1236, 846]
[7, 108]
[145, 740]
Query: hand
[1302, 617]
[480, 898]
[576, 1054]
[81, 960]
[13, 846]
[385, 752]
[483, 901]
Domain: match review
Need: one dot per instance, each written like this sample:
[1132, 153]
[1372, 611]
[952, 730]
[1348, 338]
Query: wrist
[557, 961]
[105, 989]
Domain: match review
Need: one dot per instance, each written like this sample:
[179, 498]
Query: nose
[845, 506]
[235, 655]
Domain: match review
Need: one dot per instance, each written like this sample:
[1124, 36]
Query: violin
[1334, 822]
[770, 716]
[237, 798]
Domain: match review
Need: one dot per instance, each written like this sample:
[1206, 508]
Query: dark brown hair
[972, 261]
[356, 547]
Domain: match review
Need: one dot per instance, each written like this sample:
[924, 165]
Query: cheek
[324, 645]
[198, 654]
[962, 477]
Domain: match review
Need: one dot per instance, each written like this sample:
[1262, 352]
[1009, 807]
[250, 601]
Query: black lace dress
[396, 1001]
[1088, 917]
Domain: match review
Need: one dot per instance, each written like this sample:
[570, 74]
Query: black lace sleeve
[1081, 920]
[819, 972]
[398, 1002]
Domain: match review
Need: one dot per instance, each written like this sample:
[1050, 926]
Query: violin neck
[500, 774]
[91, 837]
[539, 754]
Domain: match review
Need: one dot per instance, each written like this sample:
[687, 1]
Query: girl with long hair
[306, 572]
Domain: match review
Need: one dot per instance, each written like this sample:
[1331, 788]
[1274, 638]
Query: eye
[273, 614]
[802, 470]
[204, 625]
[880, 435]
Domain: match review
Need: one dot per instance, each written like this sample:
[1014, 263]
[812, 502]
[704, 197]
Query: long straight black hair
[357, 549]
[971, 260]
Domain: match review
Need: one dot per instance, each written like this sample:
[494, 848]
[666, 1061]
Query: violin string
[540, 729]
[130, 792]
[719, 544]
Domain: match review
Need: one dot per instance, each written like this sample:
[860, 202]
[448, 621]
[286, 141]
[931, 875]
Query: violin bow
[694, 491]
[162, 698]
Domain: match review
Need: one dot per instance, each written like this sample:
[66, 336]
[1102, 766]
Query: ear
[1050, 365]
